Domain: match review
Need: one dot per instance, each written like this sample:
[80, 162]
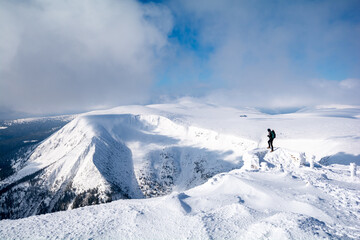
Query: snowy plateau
[189, 170]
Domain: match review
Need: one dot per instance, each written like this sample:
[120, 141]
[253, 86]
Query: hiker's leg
[272, 146]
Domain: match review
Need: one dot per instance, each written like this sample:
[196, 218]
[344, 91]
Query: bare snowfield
[284, 200]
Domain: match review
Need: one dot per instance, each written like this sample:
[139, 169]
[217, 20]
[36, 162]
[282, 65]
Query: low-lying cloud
[66, 56]
[60, 56]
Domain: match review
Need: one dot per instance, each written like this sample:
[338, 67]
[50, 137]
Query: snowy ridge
[99, 158]
[74, 167]
[39, 119]
[204, 164]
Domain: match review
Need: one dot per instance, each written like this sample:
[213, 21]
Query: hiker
[271, 136]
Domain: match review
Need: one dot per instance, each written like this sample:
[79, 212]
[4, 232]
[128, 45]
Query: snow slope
[233, 205]
[100, 157]
[206, 159]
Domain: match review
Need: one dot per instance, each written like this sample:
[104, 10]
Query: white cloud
[307, 93]
[60, 56]
[73, 55]
[350, 83]
[268, 53]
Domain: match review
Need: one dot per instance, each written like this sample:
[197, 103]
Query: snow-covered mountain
[204, 161]
[98, 158]
[19, 137]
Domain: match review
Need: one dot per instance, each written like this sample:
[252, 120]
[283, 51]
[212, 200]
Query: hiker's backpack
[273, 134]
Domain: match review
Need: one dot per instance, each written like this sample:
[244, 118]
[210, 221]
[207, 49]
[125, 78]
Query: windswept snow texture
[98, 158]
[207, 165]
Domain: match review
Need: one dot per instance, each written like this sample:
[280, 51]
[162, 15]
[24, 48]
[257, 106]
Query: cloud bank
[68, 56]
[60, 56]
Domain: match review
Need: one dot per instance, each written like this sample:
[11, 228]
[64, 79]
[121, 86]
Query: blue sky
[338, 58]
[71, 56]
[283, 45]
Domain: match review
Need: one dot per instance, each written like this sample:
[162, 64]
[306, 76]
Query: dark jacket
[271, 135]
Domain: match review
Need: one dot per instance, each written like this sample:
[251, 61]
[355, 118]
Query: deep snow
[288, 200]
